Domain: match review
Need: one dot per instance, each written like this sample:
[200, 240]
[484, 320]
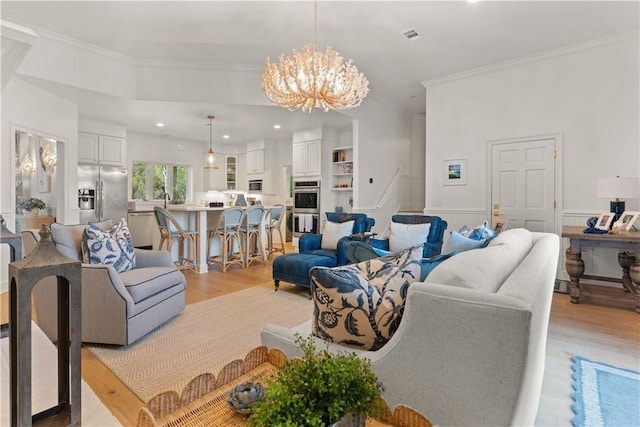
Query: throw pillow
[333, 232]
[459, 243]
[403, 236]
[361, 305]
[68, 238]
[113, 247]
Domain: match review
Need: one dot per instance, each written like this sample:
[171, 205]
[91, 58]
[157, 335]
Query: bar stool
[170, 232]
[276, 213]
[251, 229]
[228, 231]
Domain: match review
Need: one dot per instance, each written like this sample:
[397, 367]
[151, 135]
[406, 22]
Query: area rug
[203, 338]
[604, 395]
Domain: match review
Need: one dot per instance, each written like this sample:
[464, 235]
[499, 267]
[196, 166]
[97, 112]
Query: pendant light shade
[209, 157]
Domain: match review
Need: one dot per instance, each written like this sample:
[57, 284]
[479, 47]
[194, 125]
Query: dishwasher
[141, 227]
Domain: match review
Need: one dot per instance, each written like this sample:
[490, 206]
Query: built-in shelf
[342, 189]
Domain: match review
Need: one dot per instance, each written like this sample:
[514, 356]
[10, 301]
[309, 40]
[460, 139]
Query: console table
[629, 259]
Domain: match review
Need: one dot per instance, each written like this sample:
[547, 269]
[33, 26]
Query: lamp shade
[616, 187]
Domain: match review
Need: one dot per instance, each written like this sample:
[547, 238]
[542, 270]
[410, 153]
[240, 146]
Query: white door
[523, 183]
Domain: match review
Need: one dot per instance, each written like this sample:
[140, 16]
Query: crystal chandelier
[209, 157]
[309, 78]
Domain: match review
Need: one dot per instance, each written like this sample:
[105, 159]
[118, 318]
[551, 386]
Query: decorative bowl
[244, 396]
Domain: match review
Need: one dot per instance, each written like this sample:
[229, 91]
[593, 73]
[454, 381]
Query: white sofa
[470, 349]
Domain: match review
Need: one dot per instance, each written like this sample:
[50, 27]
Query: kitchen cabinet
[306, 156]
[231, 173]
[101, 149]
[255, 161]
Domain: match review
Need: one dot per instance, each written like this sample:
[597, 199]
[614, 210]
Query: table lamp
[616, 187]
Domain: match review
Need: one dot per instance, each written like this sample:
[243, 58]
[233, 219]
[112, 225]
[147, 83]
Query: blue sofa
[294, 268]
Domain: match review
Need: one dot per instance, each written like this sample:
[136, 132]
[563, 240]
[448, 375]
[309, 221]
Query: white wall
[28, 108]
[588, 94]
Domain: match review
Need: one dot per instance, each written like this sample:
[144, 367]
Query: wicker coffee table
[203, 402]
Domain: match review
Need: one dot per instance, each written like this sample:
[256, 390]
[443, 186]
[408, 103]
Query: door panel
[523, 183]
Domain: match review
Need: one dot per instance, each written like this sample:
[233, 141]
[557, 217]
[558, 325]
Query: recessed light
[276, 126]
[160, 125]
[226, 136]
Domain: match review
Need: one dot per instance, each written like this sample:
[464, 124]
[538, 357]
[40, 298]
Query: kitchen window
[149, 181]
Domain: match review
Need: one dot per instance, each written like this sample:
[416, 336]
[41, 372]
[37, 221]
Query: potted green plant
[320, 390]
[31, 206]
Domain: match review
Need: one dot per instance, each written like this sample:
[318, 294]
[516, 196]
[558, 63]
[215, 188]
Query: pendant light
[209, 157]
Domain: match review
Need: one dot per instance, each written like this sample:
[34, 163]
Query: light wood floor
[607, 330]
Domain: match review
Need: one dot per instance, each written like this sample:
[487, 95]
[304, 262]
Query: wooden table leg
[575, 269]
[634, 282]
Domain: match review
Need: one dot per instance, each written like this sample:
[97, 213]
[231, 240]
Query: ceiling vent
[411, 34]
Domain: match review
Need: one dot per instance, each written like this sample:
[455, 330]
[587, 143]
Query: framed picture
[604, 221]
[500, 224]
[628, 218]
[455, 172]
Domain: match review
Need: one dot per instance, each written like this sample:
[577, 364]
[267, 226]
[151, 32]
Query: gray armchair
[117, 308]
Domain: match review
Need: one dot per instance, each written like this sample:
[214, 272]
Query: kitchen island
[201, 219]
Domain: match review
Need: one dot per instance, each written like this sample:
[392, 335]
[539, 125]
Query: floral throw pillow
[361, 305]
[113, 247]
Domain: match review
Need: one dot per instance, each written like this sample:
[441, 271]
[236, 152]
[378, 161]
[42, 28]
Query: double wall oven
[306, 207]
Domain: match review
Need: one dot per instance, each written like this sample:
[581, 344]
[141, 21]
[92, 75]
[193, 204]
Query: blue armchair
[295, 267]
[433, 245]
[311, 243]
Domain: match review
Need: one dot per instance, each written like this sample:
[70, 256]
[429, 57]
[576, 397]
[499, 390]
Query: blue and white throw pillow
[361, 305]
[113, 247]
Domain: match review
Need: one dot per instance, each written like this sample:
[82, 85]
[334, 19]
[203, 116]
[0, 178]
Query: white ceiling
[455, 36]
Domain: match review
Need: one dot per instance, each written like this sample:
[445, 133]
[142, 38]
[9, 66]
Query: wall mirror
[35, 178]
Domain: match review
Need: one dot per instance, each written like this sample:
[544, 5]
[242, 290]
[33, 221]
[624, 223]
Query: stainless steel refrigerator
[102, 193]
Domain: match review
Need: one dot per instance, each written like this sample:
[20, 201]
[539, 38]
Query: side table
[629, 259]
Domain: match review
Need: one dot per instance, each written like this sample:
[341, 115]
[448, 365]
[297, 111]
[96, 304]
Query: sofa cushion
[361, 305]
[333, 232]
[485, 269]
[143, 283]
[459, 243]
[68, 238]
[112, 247]
[403, 236]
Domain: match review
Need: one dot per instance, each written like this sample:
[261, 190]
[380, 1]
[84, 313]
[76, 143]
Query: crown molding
[591, 44]
[18, 32]
[46, 34]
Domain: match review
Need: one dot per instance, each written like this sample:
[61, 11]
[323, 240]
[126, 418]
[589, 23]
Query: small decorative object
[628, 218]
[240, 200]
[321, 389]
[455, 172]
[31, 206]
[604, 221]
[244, 396]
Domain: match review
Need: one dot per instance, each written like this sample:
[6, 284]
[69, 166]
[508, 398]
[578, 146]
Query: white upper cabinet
[307, 158]
[255, 161]
[101, 149]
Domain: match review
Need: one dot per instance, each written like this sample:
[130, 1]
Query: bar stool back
[228, 231]
[276, 213]
[251, 230]
[170, 232]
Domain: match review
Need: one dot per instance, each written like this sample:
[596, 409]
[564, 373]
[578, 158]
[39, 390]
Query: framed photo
[500, 224]
[628, 218]
[604, 221]
[455, 172]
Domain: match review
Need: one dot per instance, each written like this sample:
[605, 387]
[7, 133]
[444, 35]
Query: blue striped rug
[604, 395]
